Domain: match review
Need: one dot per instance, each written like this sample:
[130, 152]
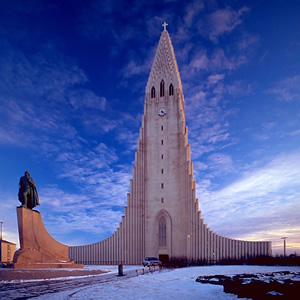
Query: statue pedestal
[38, 249]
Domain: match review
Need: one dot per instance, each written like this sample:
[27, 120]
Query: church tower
[169, 186]
[162, 217]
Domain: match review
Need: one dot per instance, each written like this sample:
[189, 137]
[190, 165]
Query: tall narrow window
[162, 171]
[162, 231]
[171, 90]
[153, 92]
[162, 142]
[162, 156]
[162, 128]
[162, 88]
[162, 185]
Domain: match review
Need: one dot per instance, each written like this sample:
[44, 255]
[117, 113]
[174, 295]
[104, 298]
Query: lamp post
[1, 237]
[284, 246]
[188, 248]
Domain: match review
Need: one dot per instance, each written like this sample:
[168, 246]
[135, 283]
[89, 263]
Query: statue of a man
[28, 195]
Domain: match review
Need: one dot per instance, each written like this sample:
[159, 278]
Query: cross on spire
[165, 25]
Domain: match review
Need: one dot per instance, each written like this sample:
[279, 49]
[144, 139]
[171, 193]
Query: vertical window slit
[162, 231]
[171, 90]
[153, 92]
[162, 88]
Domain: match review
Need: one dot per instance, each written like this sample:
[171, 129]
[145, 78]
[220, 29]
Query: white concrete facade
[162, 217]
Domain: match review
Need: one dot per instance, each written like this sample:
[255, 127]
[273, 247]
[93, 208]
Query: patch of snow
[175, 284]
[49, 279]
[246, 281]
[214, 279]
[274, 293]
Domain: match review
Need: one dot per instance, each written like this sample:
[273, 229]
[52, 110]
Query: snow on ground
[112, 269]
[167, 284]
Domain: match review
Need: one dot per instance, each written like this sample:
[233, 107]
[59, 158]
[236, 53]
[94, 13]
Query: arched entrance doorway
[164, 230]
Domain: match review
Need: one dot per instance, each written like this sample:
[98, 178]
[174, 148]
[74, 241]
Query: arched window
[153, 92]
[171, 90]
[162, 231]
[162, 88]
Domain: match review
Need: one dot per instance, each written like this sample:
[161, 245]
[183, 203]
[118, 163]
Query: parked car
[151, 261]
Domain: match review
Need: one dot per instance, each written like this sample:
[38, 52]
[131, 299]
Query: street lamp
[1, 237]
[188, 248]
[284, 245]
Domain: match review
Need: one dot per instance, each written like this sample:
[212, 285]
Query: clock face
[162, 112]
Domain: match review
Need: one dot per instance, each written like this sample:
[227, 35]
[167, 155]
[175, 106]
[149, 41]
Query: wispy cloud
[45, 74]
[223, 21]
[30, 121]
[248, 40]
[192, 11]
[271, 185]
[295, 132]
[132, 69]
[217, 62]
[287, 89]
[214, 78]
[91, 166]
[33, 91]
[96, 210]
[85, 98]
[220, 163]
[208, 115]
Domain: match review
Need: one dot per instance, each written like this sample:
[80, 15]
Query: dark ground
[9, 274]
[276, 285]
[13, 286]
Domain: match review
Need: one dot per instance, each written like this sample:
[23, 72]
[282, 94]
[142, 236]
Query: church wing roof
[164, 66]
[7, 242]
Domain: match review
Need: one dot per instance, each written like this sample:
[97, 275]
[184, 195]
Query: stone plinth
[38, 249]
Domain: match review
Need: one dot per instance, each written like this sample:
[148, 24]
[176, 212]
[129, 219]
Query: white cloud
[218, 61]
[263, 199]
[45, 74]
[295, 132]
[223, 21]
[220, 162]
[60, 200]
[88, 164]
[100, 221]
[287, 89]
[132, 68]
[85, 98]
[191, 12]
[214, 78]
[67, 213]
[281, 172]
[249, 40]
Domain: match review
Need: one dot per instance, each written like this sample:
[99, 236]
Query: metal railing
[149, 269]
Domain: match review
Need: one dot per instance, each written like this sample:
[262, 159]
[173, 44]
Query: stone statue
[28, 195]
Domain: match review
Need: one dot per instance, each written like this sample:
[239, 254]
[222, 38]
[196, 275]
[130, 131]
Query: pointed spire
[164, 66]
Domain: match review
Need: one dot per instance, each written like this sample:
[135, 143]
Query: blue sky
[72, 82]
